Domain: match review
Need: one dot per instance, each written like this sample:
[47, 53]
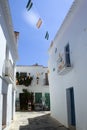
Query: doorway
[47, 100]
[38, 97]
[71, 108]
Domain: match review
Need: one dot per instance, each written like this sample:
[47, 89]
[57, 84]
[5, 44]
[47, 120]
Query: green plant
[28, 81]
[28, 97]
[17, 75]
[25, 90]
[23, 79]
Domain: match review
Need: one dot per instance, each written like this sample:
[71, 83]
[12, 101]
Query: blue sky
[32, 45]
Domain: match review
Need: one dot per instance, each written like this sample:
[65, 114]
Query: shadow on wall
[4, 106]
[45, 122]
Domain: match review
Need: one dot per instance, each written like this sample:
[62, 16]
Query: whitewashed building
[39, 84]
[8, 57]
[68, 69]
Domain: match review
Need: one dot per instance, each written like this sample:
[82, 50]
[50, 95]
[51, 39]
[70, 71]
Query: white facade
[8, 57]
[62, 79]
[35, 71]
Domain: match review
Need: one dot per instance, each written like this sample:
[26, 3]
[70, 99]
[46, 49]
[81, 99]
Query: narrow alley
[35, 121]
[43, 65]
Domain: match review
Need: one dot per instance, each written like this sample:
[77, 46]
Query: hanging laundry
[38, 24]
[29, 5]
[47, 35]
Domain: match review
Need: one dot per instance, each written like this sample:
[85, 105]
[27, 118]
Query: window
[37, 79]
[46, 79]
[67, 56]
[23, 74]
[64, 63]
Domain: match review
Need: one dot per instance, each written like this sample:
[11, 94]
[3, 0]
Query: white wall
[34, 87]
[74, 32]
[5, 40]
[1, 111]
[33, 70]
[9, 104]
[14, 99]
[2, 52]
[2, 57]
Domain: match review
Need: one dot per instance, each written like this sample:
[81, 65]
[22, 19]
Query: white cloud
[31, 17]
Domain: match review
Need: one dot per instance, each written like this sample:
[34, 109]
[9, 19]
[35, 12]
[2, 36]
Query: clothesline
[39, 22]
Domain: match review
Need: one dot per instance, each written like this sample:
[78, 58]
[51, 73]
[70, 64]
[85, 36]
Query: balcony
[8, 71]
[64, 69]
[64, 62]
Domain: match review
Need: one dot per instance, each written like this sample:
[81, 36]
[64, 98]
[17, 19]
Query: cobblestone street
[35, 121]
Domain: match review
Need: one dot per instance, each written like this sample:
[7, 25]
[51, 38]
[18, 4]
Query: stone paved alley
[35, 121]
